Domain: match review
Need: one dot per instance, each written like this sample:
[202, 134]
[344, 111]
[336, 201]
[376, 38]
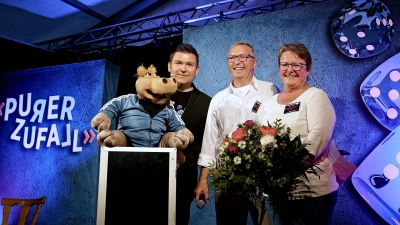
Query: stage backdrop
[356, 130]
[47, 145]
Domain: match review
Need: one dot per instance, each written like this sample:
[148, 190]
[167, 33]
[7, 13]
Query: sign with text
[48, 147]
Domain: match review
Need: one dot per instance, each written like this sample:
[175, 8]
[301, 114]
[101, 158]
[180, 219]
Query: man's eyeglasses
[242, 57]
[295, 66]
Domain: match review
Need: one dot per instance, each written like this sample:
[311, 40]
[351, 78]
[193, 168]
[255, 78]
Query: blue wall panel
[356, 130]
[69, 179]
[56, 159]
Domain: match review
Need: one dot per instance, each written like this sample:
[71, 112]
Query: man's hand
[180, 158]
[202, 186]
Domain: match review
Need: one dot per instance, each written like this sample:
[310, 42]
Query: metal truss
[164, 26]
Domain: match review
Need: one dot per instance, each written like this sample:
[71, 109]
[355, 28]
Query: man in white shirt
[235, 104]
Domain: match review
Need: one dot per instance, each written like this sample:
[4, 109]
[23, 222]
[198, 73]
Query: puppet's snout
[163, 85]
[165, 80]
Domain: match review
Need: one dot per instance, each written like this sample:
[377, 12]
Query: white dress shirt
[228, 108]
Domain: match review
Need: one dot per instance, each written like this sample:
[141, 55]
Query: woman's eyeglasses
[295, 66]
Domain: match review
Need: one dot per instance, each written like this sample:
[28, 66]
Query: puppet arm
[110, 138]
[179, 140]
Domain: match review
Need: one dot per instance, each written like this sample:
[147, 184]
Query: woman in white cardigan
[309, 113]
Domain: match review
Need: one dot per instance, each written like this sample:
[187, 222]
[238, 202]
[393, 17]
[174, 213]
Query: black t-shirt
[150, 107]
[180, 100]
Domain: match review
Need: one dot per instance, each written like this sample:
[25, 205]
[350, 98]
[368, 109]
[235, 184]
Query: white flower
[242, 144]
[226, 158]
[266, 140]
[221, 150]
[237, 160]
[226, 143]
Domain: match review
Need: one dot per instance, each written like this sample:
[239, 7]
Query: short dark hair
[185, 48]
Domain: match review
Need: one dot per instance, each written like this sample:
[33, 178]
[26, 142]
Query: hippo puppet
[145, 119]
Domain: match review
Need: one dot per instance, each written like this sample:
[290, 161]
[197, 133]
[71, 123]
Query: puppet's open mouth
[163, 96]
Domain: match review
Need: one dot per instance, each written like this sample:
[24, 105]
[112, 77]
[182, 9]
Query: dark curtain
[19, 56]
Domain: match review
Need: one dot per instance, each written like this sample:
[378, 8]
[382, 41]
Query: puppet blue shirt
[137, 124]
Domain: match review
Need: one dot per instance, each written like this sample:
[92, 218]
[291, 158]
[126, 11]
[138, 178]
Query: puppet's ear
[141, 71]
[152, 70]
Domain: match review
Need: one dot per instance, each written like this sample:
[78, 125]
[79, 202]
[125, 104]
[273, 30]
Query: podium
[137, 186]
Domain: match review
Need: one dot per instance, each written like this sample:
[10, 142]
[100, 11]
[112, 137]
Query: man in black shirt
[192, 105]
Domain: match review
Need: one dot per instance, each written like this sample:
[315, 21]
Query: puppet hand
[179, 140]
[164, 142]
[184, 136]
[112, 138]
[101, 122]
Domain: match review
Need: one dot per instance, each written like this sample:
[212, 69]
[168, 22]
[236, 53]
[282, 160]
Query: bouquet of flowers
[257, 158]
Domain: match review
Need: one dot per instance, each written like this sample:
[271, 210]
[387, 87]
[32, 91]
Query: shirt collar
[254, 84]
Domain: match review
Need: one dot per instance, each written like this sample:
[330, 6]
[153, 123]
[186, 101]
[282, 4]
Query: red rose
[239, 134]
[267, 130]
[233, 149]
[249, 123]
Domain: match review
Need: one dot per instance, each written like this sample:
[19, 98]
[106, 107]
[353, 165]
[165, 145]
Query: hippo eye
[148, 74]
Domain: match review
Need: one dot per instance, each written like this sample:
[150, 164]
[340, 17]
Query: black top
[180, 100]
[194, 116]
[151, 107]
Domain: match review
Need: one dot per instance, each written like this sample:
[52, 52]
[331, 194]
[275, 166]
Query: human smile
[291, 76]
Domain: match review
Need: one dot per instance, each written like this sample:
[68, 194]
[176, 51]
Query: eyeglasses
[295, 66]
[242, 57]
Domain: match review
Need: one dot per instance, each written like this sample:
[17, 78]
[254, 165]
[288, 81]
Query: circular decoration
[363, 29]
